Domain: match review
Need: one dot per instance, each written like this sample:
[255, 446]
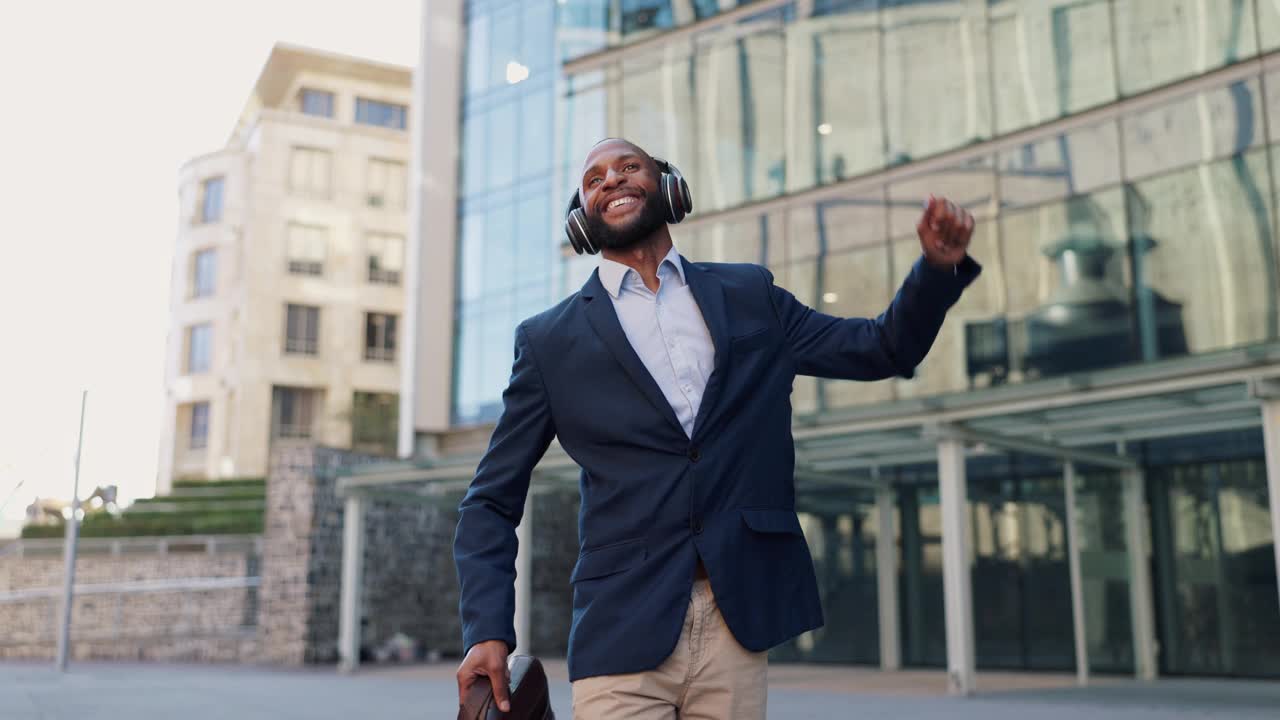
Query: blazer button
[697, 527]
[694, 454]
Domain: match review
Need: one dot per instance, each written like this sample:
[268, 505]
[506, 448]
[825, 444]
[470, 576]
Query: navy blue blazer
[655, 500]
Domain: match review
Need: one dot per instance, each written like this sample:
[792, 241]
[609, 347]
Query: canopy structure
[1075, 423]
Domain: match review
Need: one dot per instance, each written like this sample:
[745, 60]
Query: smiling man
[669, 383]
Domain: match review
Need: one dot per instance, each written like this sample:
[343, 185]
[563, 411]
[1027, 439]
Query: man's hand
[945, 230]
[486, 659]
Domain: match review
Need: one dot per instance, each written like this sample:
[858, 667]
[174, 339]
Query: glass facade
[508, 236]
[1121, 159]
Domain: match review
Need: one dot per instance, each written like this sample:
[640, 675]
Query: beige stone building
[287, 288]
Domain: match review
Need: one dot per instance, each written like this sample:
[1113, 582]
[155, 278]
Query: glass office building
[1077, 477]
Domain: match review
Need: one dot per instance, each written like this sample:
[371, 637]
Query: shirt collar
[613, 274]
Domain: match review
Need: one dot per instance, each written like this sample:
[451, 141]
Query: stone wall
[291, 618]
[410, 582]
[410, 585]
[555, 550]
[216, 625]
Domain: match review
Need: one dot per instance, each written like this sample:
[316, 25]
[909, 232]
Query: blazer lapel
[709, 293]
[604, 320]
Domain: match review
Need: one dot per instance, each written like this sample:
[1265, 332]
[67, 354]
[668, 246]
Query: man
[669, 383]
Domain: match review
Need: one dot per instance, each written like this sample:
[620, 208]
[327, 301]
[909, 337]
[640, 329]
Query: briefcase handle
[480, 705]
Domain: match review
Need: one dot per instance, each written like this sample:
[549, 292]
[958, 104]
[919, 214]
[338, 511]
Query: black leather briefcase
[530, 696]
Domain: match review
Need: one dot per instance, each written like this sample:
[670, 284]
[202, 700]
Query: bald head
[612, 146]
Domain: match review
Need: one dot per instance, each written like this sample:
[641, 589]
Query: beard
[621, 237]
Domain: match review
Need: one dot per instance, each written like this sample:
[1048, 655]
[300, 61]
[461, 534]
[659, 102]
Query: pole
[1077, 581]
[13, 492]
[957, 588]
[69, 551]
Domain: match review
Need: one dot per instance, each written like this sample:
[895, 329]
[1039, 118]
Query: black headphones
[675, 199]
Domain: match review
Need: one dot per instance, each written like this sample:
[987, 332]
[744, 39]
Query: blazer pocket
[772, 521]
[750, 341]
[608, 560]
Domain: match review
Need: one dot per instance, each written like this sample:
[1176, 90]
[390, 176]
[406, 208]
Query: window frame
[383, 348]
[303, 346]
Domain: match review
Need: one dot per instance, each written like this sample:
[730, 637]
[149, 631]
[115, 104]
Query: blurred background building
[1077, 477]
[287, 290]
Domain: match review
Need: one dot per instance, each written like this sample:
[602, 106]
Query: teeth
[621, 201]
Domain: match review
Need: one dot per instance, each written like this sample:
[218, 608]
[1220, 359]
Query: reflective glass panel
[738, 73]
[936, 80]
[1160, 41]
[1212, 223]
[1195, 128]
[840, 526]
[1067, 281]
[1104, 570]
[1078, 161]
[1215, 566]
[1051, 58]
[835, 128]
[658, 108]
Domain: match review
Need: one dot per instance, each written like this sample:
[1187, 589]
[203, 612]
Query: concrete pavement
[124, 691]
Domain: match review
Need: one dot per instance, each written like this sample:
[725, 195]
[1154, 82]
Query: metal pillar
[1077, 584]
[524, 578]
[1271, 442]
[349, 611]
[956, 572]
[887, 580]
[69, 546]
[1140, 600]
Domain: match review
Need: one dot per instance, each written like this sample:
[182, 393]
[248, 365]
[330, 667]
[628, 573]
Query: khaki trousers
[708, 676]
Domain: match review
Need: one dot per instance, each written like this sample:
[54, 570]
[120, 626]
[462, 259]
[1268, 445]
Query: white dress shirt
[666, 330]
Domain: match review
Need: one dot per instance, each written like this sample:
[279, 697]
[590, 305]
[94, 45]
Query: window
[386, 258]
[211, 200]
[309, 171]
[316, 102]
[374, 419]
[387, 184]
[380, 337]
[302, 330]
[199, 347]
[198, 427]
[204, 273]
[383, 114]
[306, 248]
[293, 412]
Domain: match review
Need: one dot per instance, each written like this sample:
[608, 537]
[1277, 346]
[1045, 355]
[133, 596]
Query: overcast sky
[103, 101]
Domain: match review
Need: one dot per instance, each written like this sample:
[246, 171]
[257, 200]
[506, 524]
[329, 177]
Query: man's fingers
[498, 678]
[465, 680]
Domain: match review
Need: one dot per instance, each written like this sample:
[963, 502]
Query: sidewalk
[127, 691]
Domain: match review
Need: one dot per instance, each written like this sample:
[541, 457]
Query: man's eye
[631, 166]
[592, 182]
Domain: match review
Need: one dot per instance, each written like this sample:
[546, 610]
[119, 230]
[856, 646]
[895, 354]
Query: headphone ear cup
[675, 196]
[686, 197]
[575, 227]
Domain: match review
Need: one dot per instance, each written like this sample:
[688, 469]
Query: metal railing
[132, 587]
[158, 545]
[302, 346]
[385, 277]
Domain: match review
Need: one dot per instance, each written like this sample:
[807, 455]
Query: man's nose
[613, 179]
